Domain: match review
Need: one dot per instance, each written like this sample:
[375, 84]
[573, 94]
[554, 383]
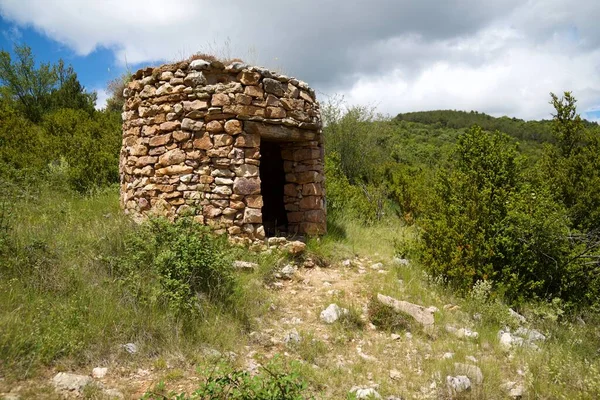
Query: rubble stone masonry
[192, 134]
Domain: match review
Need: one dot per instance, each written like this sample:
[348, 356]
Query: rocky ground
[320, 316]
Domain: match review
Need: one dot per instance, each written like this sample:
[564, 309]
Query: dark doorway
[272, 178]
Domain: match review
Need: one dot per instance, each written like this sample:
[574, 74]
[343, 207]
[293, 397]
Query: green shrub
[274, 381]
[386, 318]
[486, 223]
[345, 200]
[176, 264]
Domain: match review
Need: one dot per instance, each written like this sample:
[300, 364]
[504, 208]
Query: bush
[176, 264]
[89, 145]
[386, 318]
[485, 223]
[274, 381]
[345, 200]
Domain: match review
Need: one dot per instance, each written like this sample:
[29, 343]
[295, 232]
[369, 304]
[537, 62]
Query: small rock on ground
[332, 313]
[365, 393]
[71, 382]
[458, 384]
[99, 372]
[245, 265]
[472, 371]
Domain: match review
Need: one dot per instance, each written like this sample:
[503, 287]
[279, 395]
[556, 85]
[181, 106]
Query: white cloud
[103, 96]
[497, 56]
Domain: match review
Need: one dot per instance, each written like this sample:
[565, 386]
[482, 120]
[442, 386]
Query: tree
[70, 93]
[40, 90]
[28, 85]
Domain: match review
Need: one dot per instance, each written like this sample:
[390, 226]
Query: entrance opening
[272, 177]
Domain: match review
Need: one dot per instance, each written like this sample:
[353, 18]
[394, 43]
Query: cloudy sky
[502, 57]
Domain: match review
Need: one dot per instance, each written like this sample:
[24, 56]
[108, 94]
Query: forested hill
[523, 130]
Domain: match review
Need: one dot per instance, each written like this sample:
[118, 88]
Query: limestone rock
[462, 332]
[365, 392]
[199, 65]
[288, 271]
[71, 382]
[295, 247]
[458, 384]
[472, 371]
[513, 389]
[332, 313]
[99, 372]
[419, 313]
[245, 265]
[131, 348]
[292, 338]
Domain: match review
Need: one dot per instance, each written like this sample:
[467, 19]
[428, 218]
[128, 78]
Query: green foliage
[468, 209]
[175, 264]
[275, 380]
[538, 131]
[37, 91]
[386, 318]
[89, 145]
[572, 167]
[344, 199]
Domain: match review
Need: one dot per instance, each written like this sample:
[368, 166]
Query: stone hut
[237, 147]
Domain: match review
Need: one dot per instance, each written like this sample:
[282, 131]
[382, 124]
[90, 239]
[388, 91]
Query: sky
[501, 57]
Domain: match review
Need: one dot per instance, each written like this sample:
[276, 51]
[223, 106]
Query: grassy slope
[61, 309]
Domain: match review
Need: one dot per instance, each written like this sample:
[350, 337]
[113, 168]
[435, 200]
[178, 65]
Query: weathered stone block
[246, 186]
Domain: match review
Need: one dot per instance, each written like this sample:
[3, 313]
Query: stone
[71, 382]
[254, 201]
[222, 139]
[395, 374]
[419, 313]
[214, 127]
[169, 126]
[458, 384]
[365, 393]
[99, 372]
[249, 77]
[233, 127]
[288, 271]
[275, 112]
[246, 170]
[332, 313]
[195, 105]
[513, 389]
[131, 348]
[377, 266]
[521, 319]
[203, 143]
[219, 100]
[160, 140]
[191, 125]
[113, 394]
[472, 371]
[246, 186]
[274, 87]
[199, 65]
[175, 156]
[462, 332]
[245, 265]
[252, 216]
[254, 91]
[295, 247]
[247, 140]
[180, 136]
[292, 338]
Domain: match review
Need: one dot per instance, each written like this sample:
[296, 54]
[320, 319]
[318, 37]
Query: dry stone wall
[192, 136]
